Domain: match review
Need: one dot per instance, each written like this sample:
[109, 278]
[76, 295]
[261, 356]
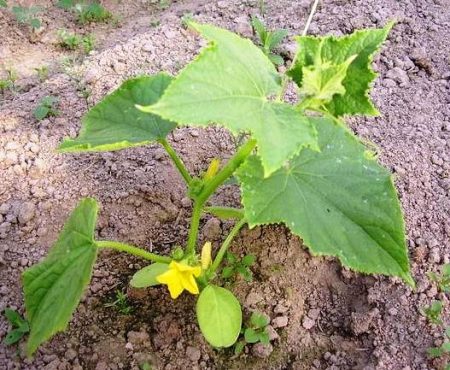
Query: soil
[322, 315]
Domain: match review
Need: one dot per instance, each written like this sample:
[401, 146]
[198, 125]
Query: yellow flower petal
[179, 277]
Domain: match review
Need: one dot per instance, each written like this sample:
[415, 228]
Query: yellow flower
[179, 277]
[206, 255]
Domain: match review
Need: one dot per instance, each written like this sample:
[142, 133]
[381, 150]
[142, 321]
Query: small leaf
[14, 318]
[340, 201]
[274, 38]
[446, 347]
[276, 59]
[435, 352]
[54, 286]
[66, 4]
[227, 272]
[258, 320]
[13, 337]
[336, 50]
[115, 123]
[35, 23]
[219, 316]
[146, 276]
[248, 260]
[323, 80]
[264, 337]
[239, 347]
[3, 4]
[260, 29]
[251, 336]
[41, 112]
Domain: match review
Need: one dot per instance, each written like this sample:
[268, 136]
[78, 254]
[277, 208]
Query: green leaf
[35, 23]
[259, 320]
[3, 4]
[260, 29]
[40, 112]
[239, 347]
[339, 201]
[219, 316]
[227, 272]
[115, 123]
[146, 276]
[435, 352]
[251, 336]
[13, 337]
[337, 50]
[53, 287]
[323, 80]
[248, 260]
[276, 59]
[264, 337]
[232, 83]
[66, 4]
[14, 318]
[274, 38]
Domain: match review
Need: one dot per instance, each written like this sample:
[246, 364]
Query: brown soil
[322, 316]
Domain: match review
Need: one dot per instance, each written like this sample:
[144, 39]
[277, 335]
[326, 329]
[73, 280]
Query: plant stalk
[225, 245]
[176, 160]
[210, 187]
[122, 247]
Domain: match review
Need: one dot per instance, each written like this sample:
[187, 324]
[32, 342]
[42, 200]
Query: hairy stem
[211, 186]
[227, 171]
[193, 230]
[176, 160]
[122, 247]
[225, 245]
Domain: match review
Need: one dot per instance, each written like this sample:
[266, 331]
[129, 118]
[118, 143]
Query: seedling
[42, 73]
[442, 350]
[8, 83]
[442, 279]
[46, 108]
[236, 266]
[269, 40]
[72, 41]
[256, 332]
[433, 312]
[86, 12]
[121, 303]
[27, 16]
[68, 40]
[19, 325]
[299, 165]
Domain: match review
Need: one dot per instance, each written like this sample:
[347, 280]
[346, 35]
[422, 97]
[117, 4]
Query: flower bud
[212, 169]
[206, 255]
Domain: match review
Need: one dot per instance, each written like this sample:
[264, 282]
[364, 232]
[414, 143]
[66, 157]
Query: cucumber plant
[299, 165]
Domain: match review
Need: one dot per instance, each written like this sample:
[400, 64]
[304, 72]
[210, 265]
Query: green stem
[193, 230]
[210, 187]
[176, 160]
[122, 247]
[235, 161]
[225, 245]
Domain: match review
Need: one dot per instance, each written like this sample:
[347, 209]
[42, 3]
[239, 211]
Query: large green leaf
[115, 123]
[232, 83]
[53, 287]
[219, 316]
[337, 50]
[339, 201]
